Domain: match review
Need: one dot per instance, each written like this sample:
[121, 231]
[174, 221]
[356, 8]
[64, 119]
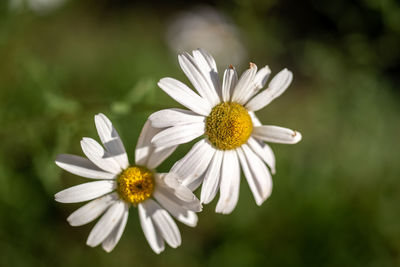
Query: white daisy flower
[234, 137]
[121, 185]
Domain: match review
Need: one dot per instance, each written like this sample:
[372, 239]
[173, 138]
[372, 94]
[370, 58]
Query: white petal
[82, 167]
[152, 235]
[175, 206]
[174, 116]
[230, 183]
[144, 146]
[164, 223]
[208, 67]
[158, 155]
[111, 140]
[208, 57]
[276, 87]
[261, 77]
[244, 85]
[281, 81]
[91, 210]
[196, 76]
[196, 161]
[145, 153]
[106, 224]
[268, 153]
[85, 192]
[193, 184]
[185, 96]
[178, 134]
[112, 240]
[263, 151]
[228, 84]
[257, 84]
[172, 183]
[269, 156]
[96, 153]
[276, 134]
[257, 174]
[211, 179]
[254, 119]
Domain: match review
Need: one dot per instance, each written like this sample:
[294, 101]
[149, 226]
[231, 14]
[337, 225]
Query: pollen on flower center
[228, 126]
[135, 184]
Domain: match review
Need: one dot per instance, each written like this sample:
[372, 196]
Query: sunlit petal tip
[297, 137]
[100, 116]
[281, 81]
[276, 134]
[260, 202]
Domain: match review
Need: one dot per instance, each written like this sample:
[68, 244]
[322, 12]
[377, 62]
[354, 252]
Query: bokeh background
[336, 197]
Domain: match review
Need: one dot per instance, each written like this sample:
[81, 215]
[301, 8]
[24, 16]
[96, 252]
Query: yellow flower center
[135, 184]
[228, 126]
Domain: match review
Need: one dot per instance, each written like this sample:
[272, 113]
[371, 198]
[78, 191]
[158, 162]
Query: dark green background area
[336, 194]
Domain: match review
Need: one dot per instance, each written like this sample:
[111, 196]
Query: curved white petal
[229, 83]
[211, 179]
[208, 57]
[178, 134]
[96, 153]
[195, 183]
[158, 155]
[174, 116]
[230, 183]
[257, 174]
[276, 87]
[185, 96]
[85, 192]
[261, 77]
[244, 85]
[269, 156]
[111, 140]
[106, 224]
[81, 166]
[151, 233]
[208, 67]
[196, 76]
[175, 206]
[195, 162]
[264, 151]
[91, 210]
[172, 183]
[276, 134]
[112, 240]
[145, 153]
[164, 223]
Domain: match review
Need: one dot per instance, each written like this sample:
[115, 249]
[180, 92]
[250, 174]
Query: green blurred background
[336, 194]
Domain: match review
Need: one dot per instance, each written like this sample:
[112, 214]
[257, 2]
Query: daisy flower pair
[232, 140]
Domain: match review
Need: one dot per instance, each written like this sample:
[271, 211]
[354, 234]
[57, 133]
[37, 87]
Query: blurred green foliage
[336, 194]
